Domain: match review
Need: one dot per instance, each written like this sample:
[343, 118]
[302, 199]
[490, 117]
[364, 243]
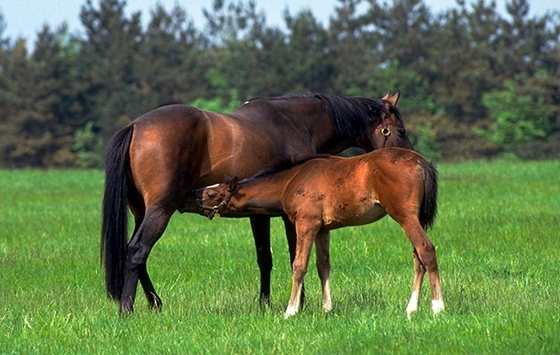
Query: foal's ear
[233, 184]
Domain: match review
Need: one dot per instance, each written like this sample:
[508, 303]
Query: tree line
[475, 82]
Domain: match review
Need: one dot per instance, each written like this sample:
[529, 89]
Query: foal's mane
[350, 116]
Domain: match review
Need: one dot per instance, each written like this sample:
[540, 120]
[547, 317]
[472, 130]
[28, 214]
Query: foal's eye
[401, 131]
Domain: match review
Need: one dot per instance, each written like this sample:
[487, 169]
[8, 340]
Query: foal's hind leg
[139, 248]
[322, 247]
[425, 260]
[419, 271]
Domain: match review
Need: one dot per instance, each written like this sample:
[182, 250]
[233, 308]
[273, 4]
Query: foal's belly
[344, 215]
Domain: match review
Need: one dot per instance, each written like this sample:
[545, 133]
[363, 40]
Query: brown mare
[330, 192]
[154, 163]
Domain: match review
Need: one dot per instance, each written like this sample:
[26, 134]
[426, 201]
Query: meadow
[497, 238]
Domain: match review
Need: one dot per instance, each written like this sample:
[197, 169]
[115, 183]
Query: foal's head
[211, 200]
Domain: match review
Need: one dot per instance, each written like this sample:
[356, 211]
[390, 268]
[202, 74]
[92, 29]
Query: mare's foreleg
[139, 248]
[425, 260]
[322, 247]
[306, 233]
[260, 226]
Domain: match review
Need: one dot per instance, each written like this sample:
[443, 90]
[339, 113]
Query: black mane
[351, 115]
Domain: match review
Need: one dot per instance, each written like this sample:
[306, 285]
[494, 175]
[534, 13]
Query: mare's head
[391, 131]
[372, 123]
[212, 200]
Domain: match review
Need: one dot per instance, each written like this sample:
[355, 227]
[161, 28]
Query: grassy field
[498, 243]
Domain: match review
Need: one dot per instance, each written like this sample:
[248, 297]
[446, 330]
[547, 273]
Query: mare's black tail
[114, 230]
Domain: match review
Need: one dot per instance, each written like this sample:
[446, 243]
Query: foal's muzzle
[209, 211]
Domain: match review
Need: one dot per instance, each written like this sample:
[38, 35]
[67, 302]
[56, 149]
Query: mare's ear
[393, 99]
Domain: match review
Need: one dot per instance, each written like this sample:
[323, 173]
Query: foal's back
[357, 190]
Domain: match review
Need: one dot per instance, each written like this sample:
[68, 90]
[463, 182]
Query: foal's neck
[260, 195]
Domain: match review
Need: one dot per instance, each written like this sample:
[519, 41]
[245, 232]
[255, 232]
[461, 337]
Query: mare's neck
[306, 115]
[311, 114]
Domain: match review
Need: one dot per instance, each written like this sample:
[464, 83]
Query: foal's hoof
[437, 306]
[290, 312]
[410, 311]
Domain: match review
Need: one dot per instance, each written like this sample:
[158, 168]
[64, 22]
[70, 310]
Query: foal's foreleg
[305, 237]
[291, 237]
[424, 260]
[322, 246]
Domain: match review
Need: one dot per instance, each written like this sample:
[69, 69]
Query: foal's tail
[114, 228]
[428, 208]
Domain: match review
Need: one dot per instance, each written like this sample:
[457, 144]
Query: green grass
[498, 243]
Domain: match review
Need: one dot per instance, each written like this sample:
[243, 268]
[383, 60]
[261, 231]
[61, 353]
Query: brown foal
[329, 192]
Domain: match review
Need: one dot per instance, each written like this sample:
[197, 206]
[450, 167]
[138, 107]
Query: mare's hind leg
[153, 299]
[322, 247]
[419, 271]
[260, 226]
[425, 258]
[137, 207]
[139, 248]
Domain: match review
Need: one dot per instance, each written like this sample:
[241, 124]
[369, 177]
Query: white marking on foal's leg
[290, 311]
[327, 302]
[412, 304]
[437, 306]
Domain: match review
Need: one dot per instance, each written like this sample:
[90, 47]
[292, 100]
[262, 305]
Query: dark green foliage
[518, 118]
[476, 81]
